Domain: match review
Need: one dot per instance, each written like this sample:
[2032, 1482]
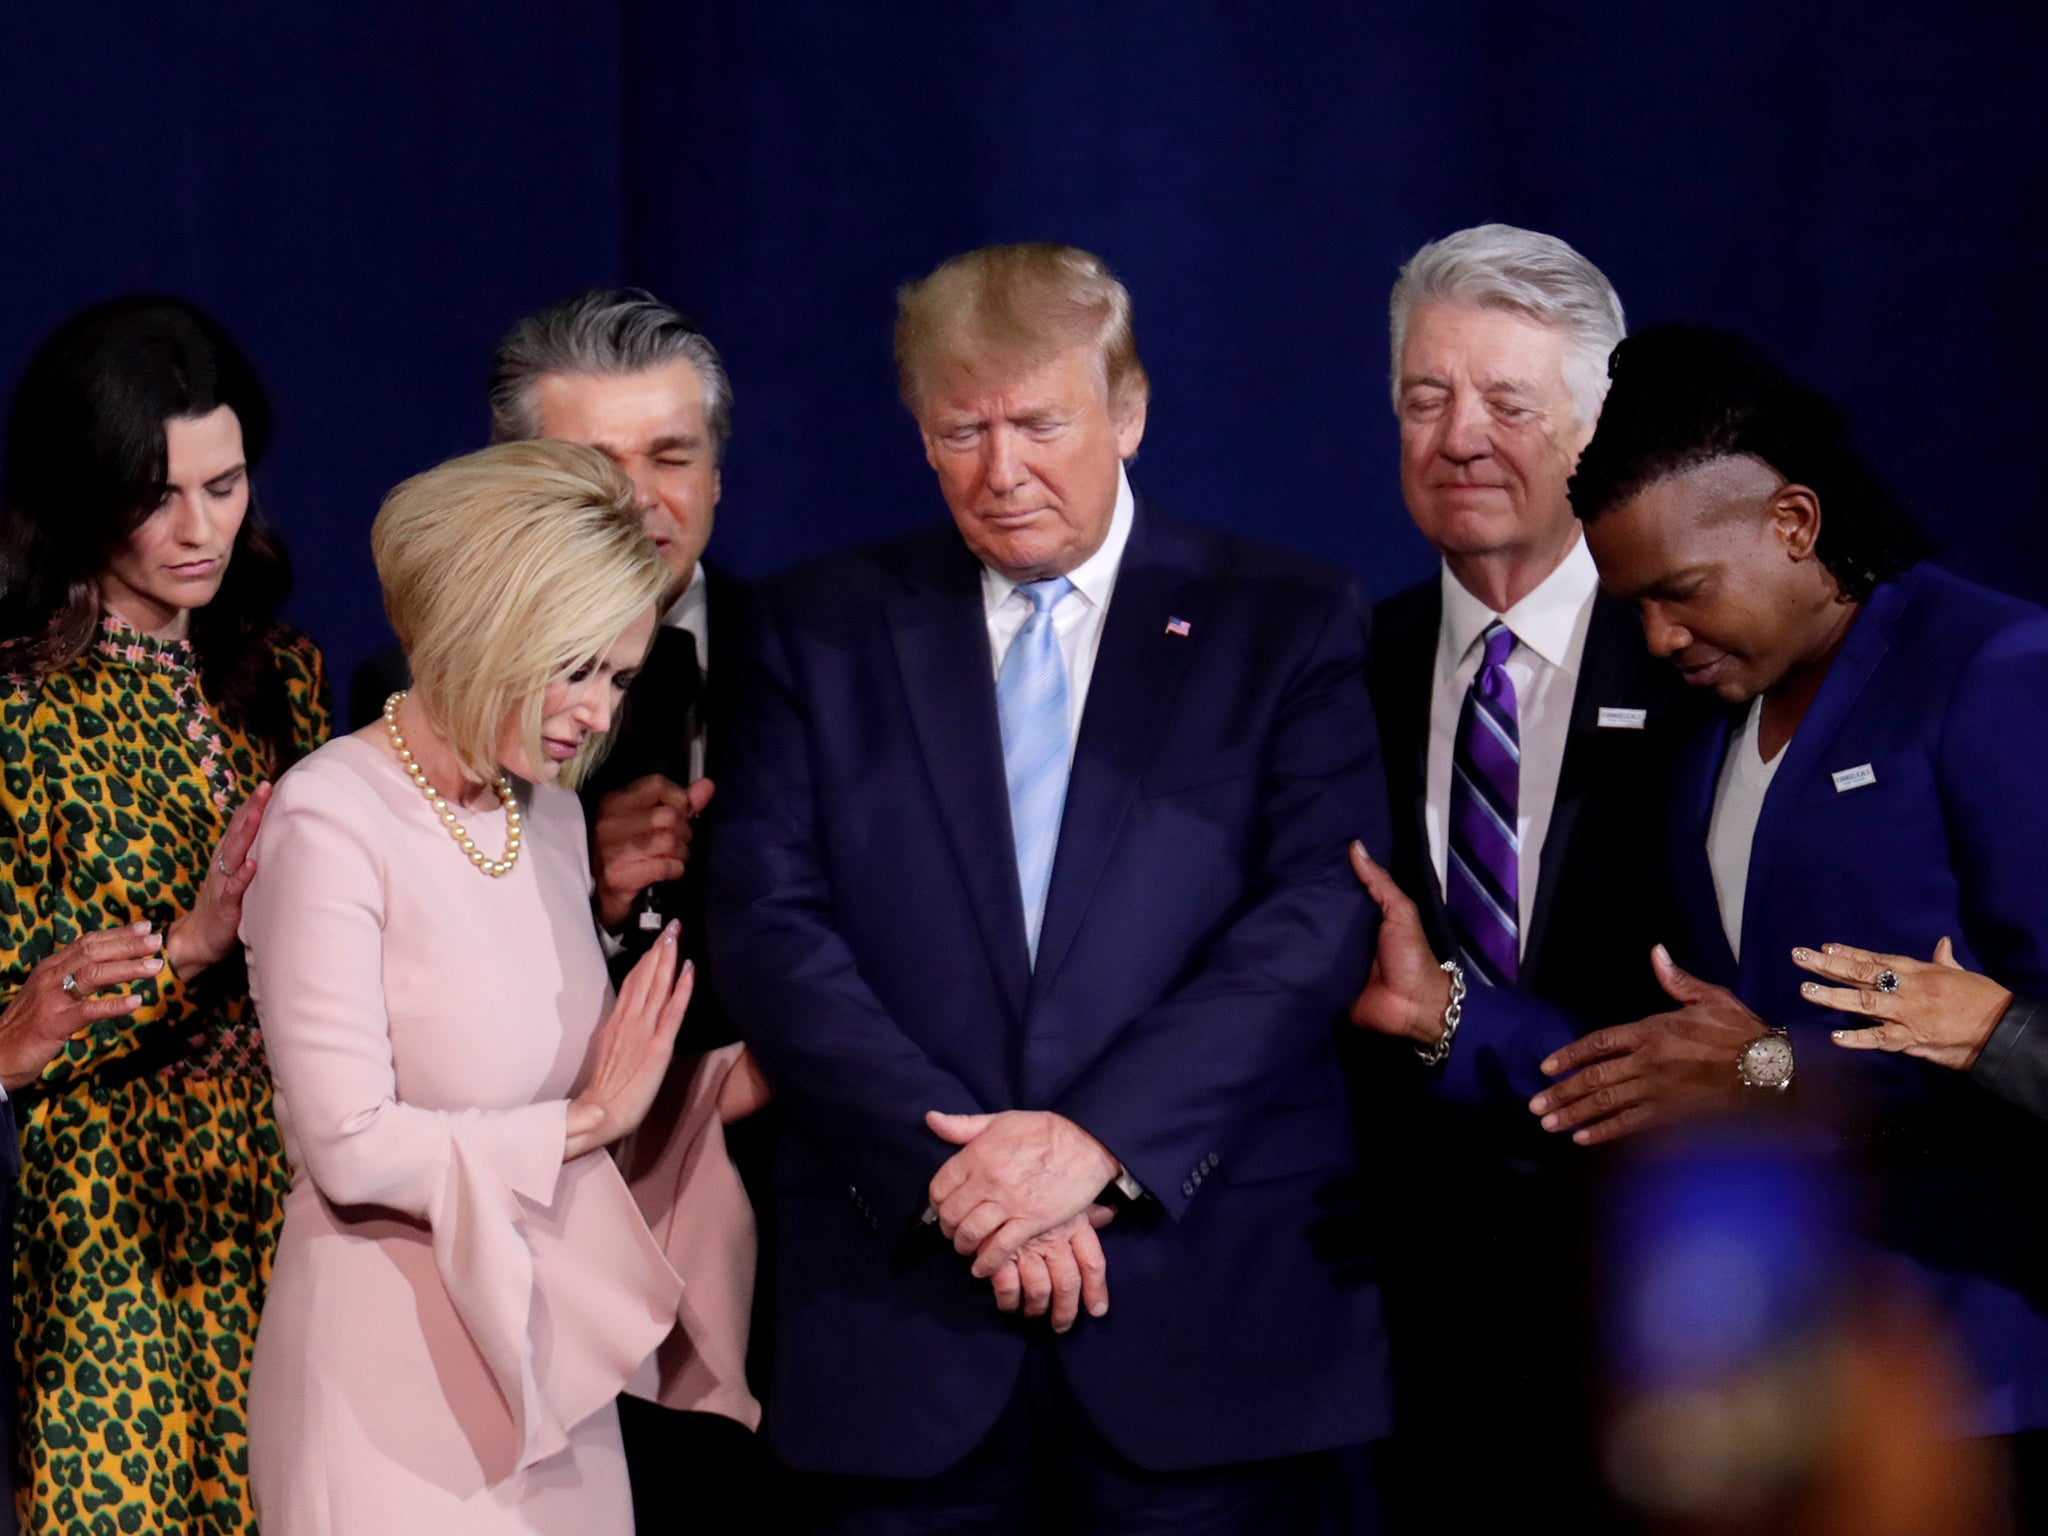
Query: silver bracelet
[1454, 1010]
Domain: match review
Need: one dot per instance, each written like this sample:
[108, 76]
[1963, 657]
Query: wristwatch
[1766, 1062]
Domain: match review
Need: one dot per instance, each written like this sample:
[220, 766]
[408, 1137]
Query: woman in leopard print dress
[149, 697]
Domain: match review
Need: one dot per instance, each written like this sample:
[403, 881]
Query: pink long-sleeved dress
[454, 1307]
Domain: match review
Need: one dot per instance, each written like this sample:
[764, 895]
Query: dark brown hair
[85, 465]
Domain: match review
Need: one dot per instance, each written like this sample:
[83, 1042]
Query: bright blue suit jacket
[1202, 934]
[1940, 692]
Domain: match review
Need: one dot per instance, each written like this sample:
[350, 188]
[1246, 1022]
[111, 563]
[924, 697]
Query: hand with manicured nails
[43, 1015]
[634, 1046]
[1407, 992]
[211, 930]
[1940, 1012]
[1633, 1076]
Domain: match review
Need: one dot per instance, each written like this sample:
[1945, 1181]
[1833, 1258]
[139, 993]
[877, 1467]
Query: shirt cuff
[1131, 1188]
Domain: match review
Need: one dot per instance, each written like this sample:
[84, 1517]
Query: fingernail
[156, 941]
[155, 963]
[1802, 954]
[1357, 846]
[140, 925]
[1549, 1067]
[1582, 1137]
[1663, 954]
[1809, 987]
[1550, 1122]
[1099, 1309]
[1539, 1104]
[689, 967]
[1829, 949]
[1839, 1034]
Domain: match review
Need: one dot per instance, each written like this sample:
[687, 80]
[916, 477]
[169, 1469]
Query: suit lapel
[1406, 658]
[725, 622]
[1138, 669]
[1614, 639]
[1865, 647]
[1699, 774]
[939, 630]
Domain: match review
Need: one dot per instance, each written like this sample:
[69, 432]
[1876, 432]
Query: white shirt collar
[1544, 620]
[691, 604]
[1095, 577]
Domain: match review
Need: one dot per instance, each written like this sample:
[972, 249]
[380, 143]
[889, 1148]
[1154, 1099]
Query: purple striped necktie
[1482, 878]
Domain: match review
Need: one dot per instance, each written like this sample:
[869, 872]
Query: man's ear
[1795, 516]
[1130, 421]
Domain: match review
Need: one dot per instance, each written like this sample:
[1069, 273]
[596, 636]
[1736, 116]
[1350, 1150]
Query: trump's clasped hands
[1020, 1196]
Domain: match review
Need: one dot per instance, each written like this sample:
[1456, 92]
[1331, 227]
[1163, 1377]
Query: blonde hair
[502, 570]
[1008, 309]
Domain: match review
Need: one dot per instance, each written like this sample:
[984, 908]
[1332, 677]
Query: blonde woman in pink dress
[465, 1280]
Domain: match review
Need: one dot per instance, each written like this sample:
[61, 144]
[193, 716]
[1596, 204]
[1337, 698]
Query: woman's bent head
[518, 580]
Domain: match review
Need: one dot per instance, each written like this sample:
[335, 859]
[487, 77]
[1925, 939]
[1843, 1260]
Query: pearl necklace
[496, 868]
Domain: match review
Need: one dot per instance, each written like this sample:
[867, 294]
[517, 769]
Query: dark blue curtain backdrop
[370, 192]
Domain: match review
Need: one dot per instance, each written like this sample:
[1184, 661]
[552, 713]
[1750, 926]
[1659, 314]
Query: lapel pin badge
[1181, 627]
[1613, 719]
[1854, 778]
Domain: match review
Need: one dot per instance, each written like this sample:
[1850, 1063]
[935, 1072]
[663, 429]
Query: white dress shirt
[692, 611]
[1550, 627]
[1078, 619]
[1738, 803]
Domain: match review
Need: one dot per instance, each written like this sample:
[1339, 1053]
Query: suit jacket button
[1187, 1186]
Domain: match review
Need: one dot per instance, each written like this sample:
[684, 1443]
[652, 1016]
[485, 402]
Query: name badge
[1612, 719]
[1854, 778]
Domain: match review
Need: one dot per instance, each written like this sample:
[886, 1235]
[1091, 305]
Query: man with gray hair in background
[622, 372]
[1528, 736]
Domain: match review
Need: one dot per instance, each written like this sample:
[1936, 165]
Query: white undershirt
[1549, 625]
[1738, 802]
[692, 611]
[1079, 616]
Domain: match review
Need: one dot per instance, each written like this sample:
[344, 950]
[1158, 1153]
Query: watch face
[1767, 1062]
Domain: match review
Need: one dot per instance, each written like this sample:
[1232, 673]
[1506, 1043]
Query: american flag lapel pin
[1179, 627]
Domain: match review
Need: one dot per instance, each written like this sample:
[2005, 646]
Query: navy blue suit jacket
[1202, 933]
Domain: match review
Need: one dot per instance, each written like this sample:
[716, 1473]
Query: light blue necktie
[1031, 702]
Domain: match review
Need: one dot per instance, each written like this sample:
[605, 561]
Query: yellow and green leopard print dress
[153, 1177]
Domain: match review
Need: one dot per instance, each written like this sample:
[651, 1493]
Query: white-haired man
[1527, 736]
